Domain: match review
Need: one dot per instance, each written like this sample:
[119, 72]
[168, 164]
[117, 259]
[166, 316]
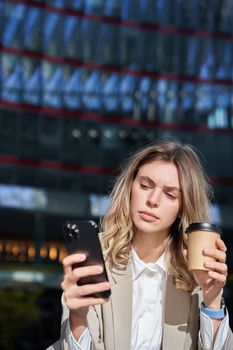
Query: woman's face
[155, 197]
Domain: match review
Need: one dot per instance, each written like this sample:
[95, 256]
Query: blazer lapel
[121, 300]
[176, 313]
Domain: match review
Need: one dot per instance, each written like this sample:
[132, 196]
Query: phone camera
[75, 231]
[72, 232]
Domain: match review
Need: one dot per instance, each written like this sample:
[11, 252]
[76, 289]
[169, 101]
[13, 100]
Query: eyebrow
[167, 188]
[172, 188]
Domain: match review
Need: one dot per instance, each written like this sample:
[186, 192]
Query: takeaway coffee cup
[201, 235]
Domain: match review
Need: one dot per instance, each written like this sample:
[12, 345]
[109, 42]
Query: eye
[170, 195]
[144, 186]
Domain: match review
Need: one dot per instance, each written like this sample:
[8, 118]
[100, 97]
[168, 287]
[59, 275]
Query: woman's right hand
[77, 298]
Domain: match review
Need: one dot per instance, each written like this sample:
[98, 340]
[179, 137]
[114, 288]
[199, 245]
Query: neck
[148, 247]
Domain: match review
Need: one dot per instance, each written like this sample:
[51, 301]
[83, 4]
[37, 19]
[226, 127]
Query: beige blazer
[110, 324]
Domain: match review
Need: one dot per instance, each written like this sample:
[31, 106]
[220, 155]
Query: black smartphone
[82, 237]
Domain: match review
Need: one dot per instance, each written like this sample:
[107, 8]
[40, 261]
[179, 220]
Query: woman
[155, 300]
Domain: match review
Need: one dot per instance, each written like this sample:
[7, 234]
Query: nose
[153, 199]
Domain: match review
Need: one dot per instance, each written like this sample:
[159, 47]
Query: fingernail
[99, 269]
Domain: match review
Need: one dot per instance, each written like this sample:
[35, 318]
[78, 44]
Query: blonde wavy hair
[196, 194]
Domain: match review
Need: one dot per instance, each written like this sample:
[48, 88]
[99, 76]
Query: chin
[147, 227]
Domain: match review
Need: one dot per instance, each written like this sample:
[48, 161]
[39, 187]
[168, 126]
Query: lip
[145, 215]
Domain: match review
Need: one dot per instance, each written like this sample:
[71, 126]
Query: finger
[76, 303]
[218, 277]
[73, 259]
[221, 245]
[75, 274]
[85, 271]
[66, 271]
[215, 254]
[75, 291]
[88, 289]
[80, 296]
[216, 266]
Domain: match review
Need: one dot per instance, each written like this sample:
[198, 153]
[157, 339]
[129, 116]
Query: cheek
[134, 199]
[137, 197]
[133, 196]
[174, 212]
[172, 209]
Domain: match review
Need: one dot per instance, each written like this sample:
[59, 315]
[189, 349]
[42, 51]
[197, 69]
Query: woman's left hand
[213, 281]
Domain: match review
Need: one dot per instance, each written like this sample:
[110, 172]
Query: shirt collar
[139, 265]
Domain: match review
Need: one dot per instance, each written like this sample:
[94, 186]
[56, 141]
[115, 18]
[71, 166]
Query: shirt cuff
[84, 342]
[206, 332]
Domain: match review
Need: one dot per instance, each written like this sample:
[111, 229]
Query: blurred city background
[83, 84]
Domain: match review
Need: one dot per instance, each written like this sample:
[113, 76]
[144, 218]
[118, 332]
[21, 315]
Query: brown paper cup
[200, 236]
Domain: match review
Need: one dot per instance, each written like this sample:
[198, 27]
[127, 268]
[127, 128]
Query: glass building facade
[83, 83]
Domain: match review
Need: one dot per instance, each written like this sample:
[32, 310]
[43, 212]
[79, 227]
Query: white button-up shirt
[149, 282]
[148, 290]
